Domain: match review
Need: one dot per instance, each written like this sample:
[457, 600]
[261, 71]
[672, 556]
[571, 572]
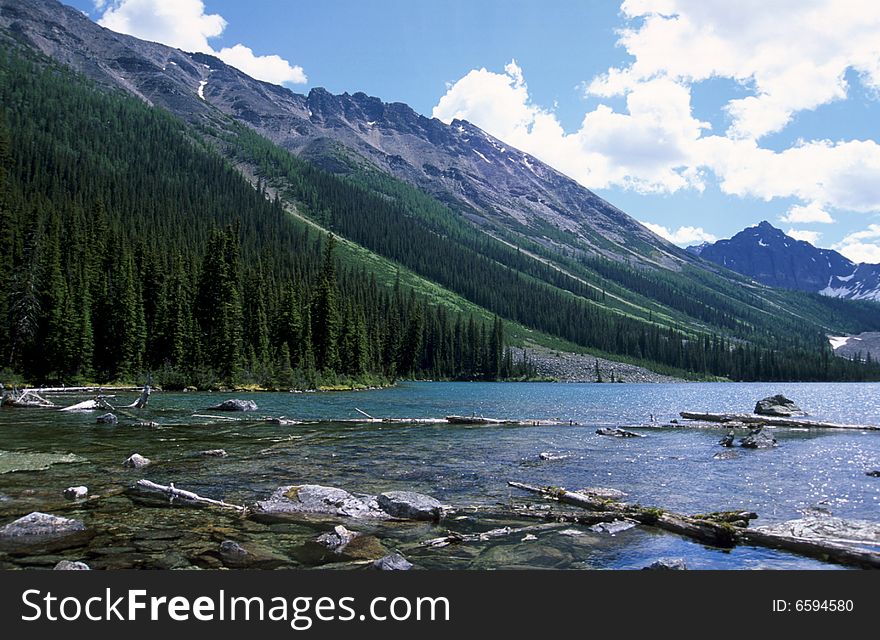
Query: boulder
[667, 564]
[76, 493]
[758, 439]
[727, 441]
[68, 565]
[410, 505]
[235, 405]
[778, 406]
[43, 532]
[136, 461]
[392, 562]
[107, 418]
[316, 499]
[618, 433]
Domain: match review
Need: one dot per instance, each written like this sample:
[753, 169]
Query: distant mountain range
[767, 255]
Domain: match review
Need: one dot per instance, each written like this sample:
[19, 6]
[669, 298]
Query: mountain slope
[491, 224]
[767, 255]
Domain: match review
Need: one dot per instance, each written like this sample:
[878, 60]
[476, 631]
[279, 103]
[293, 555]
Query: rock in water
[67, 565]
[778, 406]
[618, 433]
[727, 441]
[338, 538]
[230, 549]
[214, 453]
[725, 455]
[107, 418]
[758, 439]
[316, 499]
[410, 505]
[667, 564]
[392, 562]
[136, 461]
[42, 532]
[613, 527]
[874, 474]
[235, 405]
[76, 493]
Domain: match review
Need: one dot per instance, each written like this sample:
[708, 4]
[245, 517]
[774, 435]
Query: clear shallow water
[464, 466]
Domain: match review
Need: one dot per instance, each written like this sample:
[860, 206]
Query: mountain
[444, 214]
[767, 255]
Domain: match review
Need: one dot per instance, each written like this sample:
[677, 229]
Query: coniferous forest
[128, 247]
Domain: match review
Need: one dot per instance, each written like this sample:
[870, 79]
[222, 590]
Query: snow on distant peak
[838, 341]
[201, 89]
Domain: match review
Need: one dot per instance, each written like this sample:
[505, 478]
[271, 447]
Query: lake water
[466, 467]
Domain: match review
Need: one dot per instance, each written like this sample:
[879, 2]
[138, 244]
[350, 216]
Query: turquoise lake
[466, 467]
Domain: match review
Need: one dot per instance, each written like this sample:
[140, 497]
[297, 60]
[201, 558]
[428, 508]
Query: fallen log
[723, 529]
[769, 421]
[145, 489]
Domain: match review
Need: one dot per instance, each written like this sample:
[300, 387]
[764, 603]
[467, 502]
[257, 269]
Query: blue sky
[699, 117]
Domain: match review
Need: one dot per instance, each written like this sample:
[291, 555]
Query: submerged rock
[392, 562]
[76, 493]
[237, 556]
[235, 405]
[338, 538]
[214, 453]
[107, 418]
[316, 499]
[614, 527]
[68, 565]
[136, 461]
[618, 433]
[778, 406]
[667, 564]
[726, 455]
[42, 531]
[758, 439]
[410, 505]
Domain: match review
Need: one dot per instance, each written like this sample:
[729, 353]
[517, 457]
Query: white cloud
[270, 68]
[185, 25]
[791, 54]
[855, 247]
[683, 236]
[806, 214]
[802, 234]
[647, 149]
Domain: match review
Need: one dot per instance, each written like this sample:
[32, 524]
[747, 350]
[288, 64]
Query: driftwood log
[769, 421]
[152, 492]
[722, 529]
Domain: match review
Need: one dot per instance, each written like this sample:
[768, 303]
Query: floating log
[27, 399]
[150, 490]
[722, 529]
[142, 400]
[769, 421]
[98, 403]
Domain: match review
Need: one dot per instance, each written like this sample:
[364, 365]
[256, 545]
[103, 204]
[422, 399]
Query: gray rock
[392, 562]
[726, 455]
[603, 492]
[231, 549]
[667, 564]
[758, 439]
[546, 455]
[727, 441]
[68, 565]
[618, 433]
[826, 527]
[237, 556]
[337, 539]
[39, 533]
[214, 453]
[136, 461]
[235, 405]
[76, 493]
[318, 500]
[779, 406]
[107, 418]
[410, 505]
[614, 527]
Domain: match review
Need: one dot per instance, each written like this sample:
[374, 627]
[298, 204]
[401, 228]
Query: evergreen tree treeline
[127, 246]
